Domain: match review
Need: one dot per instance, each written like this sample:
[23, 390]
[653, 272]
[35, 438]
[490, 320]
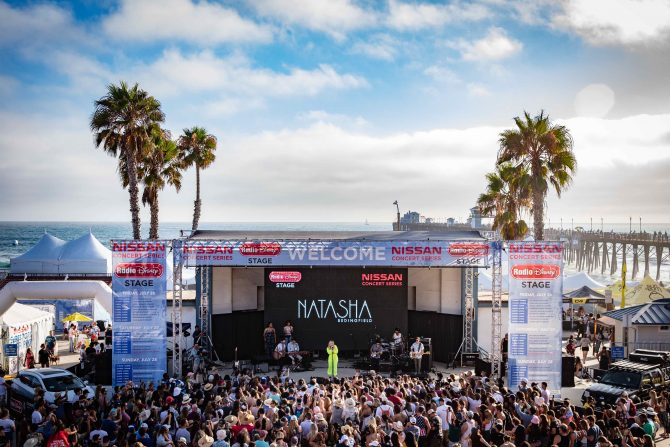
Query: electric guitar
[418, 354]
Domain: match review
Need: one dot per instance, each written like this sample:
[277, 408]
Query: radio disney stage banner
[336, 253]
[535, 306]
[348, 305]
[139, 277]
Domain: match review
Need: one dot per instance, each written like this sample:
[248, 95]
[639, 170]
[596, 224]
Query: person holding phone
[332, 351]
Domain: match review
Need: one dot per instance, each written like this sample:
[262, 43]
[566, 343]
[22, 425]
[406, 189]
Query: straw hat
[247, 419]
[397, 426]
[220, 435]
[208, 386]
[218, 399]
[186, 399]
[350, 403]
[144, 415]
[231, 419]
[319, 417]
[205, 441]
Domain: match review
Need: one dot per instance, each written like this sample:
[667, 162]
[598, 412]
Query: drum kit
[391, 351]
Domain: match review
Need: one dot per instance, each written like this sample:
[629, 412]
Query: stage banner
[336, 253]
[535, 305]
[139, 343]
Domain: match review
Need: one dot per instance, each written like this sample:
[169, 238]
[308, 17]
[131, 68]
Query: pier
[596, 250]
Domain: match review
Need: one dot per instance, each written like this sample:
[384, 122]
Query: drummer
[397, 342]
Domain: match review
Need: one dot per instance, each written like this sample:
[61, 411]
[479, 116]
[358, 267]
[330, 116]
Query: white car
[52, 381]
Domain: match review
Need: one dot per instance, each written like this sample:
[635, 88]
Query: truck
[643, 371]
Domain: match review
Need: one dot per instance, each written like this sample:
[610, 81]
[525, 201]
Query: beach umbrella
[77, 317]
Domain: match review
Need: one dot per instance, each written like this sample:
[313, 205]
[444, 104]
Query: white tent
[85, 255]
[41, 258]
[579, 280]
[187, 274]
[27, 327]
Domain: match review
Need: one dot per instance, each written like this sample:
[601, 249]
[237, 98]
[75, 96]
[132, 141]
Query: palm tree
[197, 148]
[160, 166]
[506, 195]
[122, 122]
[545, 150]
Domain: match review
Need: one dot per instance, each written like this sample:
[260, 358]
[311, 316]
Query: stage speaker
[427, 360]
[103, 368]
[568, 371]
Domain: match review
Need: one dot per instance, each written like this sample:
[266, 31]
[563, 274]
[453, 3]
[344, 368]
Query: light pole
[397, 215]
[640, 224]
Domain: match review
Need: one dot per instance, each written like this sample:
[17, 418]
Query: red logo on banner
[137, 270]
[468, 249]
[260, 249]
[285, 276]
[536, 271]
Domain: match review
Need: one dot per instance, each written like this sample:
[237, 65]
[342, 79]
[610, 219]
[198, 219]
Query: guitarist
[293, 349]
[280, 350]
[416, 353]
[376, 353]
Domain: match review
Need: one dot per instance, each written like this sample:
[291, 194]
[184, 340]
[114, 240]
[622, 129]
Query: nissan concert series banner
[139, 279]
[348, 305]
[336, 253]
[535, 306]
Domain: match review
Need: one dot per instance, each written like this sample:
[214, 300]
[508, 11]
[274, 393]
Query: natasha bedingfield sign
[139, 345]
[337, 253]
[535, 306]
[348, 305]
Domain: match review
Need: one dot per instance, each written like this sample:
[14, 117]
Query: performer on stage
[294, 347]
[280, 350]
[416, 353]
[376, 353]
[397, 342]
[270, 339]
[332, 350]
[288, 330]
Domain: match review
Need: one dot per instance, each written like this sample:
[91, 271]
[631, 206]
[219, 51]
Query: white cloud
[334, 17]
[8, 85]
[442, 74]
[475, 89]
[202, 22]
[382, 47]
[623, 22]
[175, 73]
[321, 116]
[496, 45]
[415, 16]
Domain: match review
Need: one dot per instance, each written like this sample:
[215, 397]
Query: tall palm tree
[545, 150]
[197, 148]
[122, 123]
[160, 166]
[506, 196]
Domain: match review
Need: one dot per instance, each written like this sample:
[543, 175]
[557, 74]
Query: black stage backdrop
[348, 305]
[242, 330]
[445, 330]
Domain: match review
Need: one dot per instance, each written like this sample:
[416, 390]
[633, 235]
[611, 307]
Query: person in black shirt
[43, 356]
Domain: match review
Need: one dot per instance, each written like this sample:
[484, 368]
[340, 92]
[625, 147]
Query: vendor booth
[26, 327]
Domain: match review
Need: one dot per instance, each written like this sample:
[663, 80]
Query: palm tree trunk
[133, 192]
[197, 203]
[538, 214]
[153, 232]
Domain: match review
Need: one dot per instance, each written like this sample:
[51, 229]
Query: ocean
[17, 237]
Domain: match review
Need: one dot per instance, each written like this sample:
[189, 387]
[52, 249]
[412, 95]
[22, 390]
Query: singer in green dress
[332, 358]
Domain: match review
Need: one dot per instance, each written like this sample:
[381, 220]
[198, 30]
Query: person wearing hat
[203, 439]
[220, 439]
[182, 442]
[350, 411]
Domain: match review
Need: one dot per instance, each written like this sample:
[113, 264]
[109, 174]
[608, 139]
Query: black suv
[644, 371]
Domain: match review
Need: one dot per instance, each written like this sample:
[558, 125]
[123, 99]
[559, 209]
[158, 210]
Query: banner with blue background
[139, 343]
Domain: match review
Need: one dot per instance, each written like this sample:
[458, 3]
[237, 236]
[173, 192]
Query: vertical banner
[139, 344]
[535, 305]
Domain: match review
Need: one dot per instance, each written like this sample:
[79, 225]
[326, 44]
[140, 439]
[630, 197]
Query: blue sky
[332, 109]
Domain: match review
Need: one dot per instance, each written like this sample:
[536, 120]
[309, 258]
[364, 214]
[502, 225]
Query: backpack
[386, 413]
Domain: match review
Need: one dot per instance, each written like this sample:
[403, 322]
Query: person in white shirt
[446, 414]
[280, 350]
[546, 394]
[397, 342]
[36, 417]
[385, 409]
[293, 346]
[416, 353]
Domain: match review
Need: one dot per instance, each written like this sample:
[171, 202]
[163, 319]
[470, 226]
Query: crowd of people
[242, 410]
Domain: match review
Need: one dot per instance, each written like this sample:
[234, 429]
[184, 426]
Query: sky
[329, 110]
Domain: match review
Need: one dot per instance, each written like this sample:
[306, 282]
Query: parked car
[642, 372]
[51, 380]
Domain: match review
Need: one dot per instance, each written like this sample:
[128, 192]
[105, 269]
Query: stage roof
[338, 235]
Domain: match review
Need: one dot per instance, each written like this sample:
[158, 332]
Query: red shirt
[238, 428]
[395, 399]
[58, 440]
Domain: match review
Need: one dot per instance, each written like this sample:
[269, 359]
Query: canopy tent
[76, 316]
[187, 275]
[25, 326]
[85, 255]
[579, 280]
[646, 291]
[40, 258]
[584, 295]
